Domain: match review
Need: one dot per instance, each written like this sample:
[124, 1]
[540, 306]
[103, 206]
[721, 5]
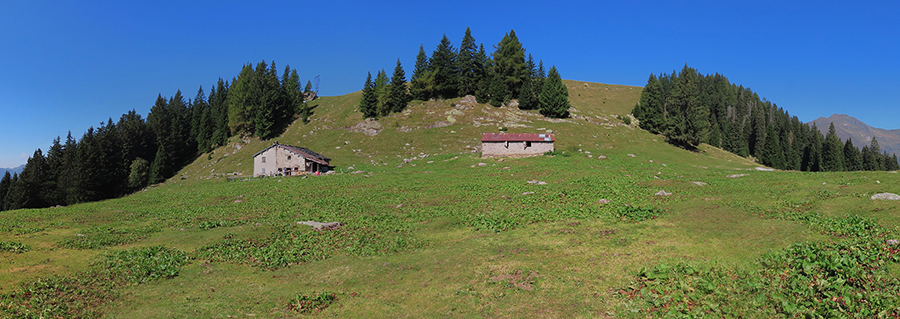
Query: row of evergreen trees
[689, 108]
[119, 157]
[451, 73]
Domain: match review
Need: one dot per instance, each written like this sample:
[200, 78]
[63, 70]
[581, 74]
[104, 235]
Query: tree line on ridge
[449, 73]
[689, 108]
[120, 157]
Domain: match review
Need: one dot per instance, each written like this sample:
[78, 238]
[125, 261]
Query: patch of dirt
[518, 279]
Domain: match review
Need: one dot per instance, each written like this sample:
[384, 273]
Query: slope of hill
[847, 126]
[337, 130]
[432, 230]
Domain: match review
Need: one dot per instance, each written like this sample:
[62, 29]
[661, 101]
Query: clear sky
[68, 65]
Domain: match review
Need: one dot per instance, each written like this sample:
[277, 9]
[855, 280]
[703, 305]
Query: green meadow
[430, 229]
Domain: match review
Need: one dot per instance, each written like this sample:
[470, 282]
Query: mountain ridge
[847, 126]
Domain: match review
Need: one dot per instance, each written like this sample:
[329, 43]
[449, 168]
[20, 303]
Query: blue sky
[69, 65]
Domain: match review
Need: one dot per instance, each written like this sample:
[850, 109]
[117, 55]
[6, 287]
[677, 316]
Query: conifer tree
[422, 82]
[382, 92]
[5, 183]
[483, 90]
[852, 160]
[528, 97]
[870, 156]
[159, 169]
[554, 98]
[443, 65]
[469, 65]
[13, 197]
[772, 154]
[650, 111]
[51, 188]
[369, 103]
[832, 152]
[241, 99]
[399, 95]
[509, 67]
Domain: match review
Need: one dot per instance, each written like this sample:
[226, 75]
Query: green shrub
[143, 264]
[14, 247]
[100, 237]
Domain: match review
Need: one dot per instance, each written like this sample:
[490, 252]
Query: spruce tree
[832, 152]
[443, 65]
[483, 89]
[772, 154]
[469, 65]
[554, 98]
[159, 169]
[369, 102]
[509, 67]
[241, 99]
[649, 111]
[852, 160]
[399, 95]
[382, 93]
[4, 188]
[870, 156]
[13, 198]
[422, 82]
[528, 96]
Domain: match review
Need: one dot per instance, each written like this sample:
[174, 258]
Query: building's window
[263, 159]
[289, 158]
[527, 144]
[263, 170]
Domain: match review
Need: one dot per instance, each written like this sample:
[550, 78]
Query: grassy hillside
[446, 233]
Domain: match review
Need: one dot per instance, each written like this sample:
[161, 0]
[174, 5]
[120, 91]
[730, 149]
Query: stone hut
[287, 160]
[516, 144]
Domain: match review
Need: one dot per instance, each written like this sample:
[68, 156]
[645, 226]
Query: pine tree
[469, 65]
[399, 95]
[528, 97]
[649, 111]
[369, 103]
[509, 67]
[772, 154]
[422, 82]
[852, 160]
[483, 90]
[832, 152]
[554, 98]
[159, 169]
[870, 156]
[52, 190]
[241, 99]
[12, 199]
[382, 93]
[444, 68]
[218, 104]
[5, 183]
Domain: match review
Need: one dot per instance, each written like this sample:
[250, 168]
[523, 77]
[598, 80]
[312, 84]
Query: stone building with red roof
[287, 160]
[516, 144]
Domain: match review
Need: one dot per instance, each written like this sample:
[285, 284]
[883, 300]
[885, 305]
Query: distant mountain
[14, 170]
[847, 126]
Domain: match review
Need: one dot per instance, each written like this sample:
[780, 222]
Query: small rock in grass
[603, 201]
[601, 156]
[482, 164]
[527, 193]
[663, 193]
[735, 175]
[631, 155]
[886, 196]
[893, 242]
[699, 183]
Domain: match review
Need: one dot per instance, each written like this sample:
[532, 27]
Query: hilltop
[454, 126]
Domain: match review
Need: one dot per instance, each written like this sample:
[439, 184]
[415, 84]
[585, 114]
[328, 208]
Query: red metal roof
[517, 137]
